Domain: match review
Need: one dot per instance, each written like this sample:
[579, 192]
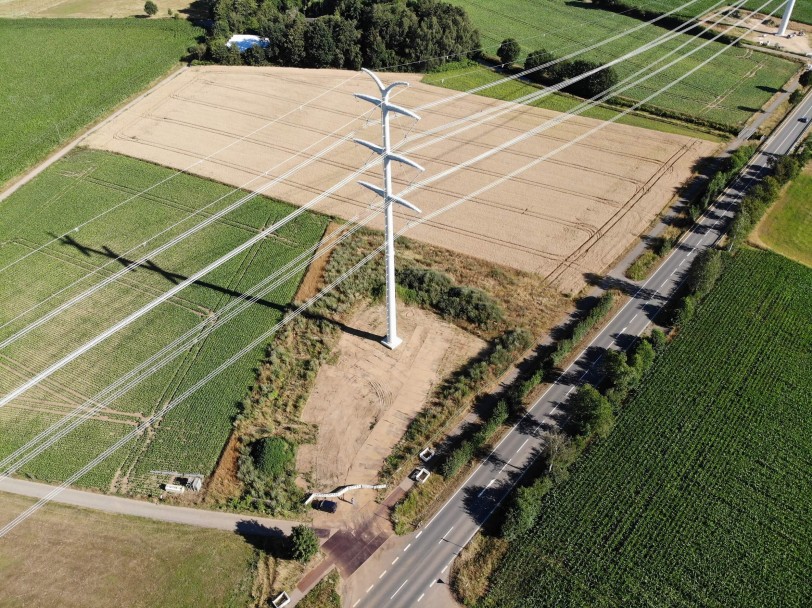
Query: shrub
[472, 305]
[687, 308]
[640, 268]
[435, 290]
[304, 543]
[796, 97]
[458, 458]
[664, 246]
[658, 339]
[536, 59]
[272, 456]
[581, 328]
[524, 508]
[427, 286]
[150, 8]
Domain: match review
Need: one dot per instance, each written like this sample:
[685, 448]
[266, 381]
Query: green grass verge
[324, 594]
[470, 76]
[726, 91]
[699, 497]
[190, 437]
[787, 228]
[59, 75]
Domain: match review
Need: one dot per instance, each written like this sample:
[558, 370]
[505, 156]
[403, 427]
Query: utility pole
[785, 21]
[392, 340]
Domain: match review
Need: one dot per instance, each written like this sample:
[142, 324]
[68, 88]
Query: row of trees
[594, 84]
[592, 416]
[414, 35]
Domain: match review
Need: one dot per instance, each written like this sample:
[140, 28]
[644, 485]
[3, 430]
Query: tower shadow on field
[150, 266]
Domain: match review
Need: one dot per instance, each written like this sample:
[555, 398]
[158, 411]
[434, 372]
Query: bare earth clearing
[765, 35]
[571, 215]
[364, 402]
[92, 9]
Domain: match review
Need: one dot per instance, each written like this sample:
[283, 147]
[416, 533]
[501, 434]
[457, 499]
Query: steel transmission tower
[392, 340]
[785, 21]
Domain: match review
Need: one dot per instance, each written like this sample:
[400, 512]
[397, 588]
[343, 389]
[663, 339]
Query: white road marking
[421, 597]
[356, 602]
[399, 588]
[664, 282]
[370, 587]
[483, 491]
[396, 559]
[381, 576]
[680, 263]
[572, 388]
[505, 466]
[634, 317]
[623, 331]
[419, 533]
[445, 567]
[433, 583]
[521, 446]
[407, 547]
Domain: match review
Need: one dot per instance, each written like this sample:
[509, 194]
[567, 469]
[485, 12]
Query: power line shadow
[173, 277]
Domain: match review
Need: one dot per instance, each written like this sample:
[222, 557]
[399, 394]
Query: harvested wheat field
[89, 9]
[363, 403]
[564, 217]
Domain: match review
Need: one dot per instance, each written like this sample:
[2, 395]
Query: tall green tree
[591, 412]
[704, 271]
[304, 543]
[509, 51]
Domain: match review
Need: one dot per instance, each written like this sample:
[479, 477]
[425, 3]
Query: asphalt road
[424, 562]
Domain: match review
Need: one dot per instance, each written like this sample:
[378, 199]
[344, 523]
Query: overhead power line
[365, 260]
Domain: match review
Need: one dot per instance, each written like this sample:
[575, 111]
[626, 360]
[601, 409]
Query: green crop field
[700, 495]
[59, 75]
[787, 227]
[802, 11]
[726, 92]
[70, 192]
[470, 76]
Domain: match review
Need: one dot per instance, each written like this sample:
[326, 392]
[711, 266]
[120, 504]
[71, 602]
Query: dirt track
[571, 215]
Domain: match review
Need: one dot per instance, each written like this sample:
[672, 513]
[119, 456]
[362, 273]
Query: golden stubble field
[90, 9]
[563, 218]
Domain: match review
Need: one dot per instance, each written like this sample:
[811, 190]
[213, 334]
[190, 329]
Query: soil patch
[311, 282]
[364, 402]
[796, 40]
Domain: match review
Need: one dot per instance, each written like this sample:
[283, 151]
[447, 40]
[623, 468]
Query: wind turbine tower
[392, 340]
[782, 30]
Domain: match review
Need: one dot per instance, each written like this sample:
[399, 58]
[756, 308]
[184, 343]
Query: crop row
[697, 496]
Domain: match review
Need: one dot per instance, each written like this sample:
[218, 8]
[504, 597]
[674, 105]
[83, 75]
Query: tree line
[602, 79]
[414, 35]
